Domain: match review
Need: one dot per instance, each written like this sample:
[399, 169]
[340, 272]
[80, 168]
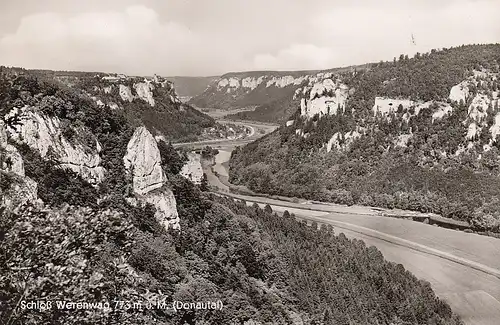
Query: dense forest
[88, 243]
[438, 170]
[174, 120]
[263, 267]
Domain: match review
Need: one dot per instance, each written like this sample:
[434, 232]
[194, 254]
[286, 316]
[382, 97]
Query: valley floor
[434, 254]
[477, 248]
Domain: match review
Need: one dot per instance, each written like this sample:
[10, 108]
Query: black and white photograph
[249, 162]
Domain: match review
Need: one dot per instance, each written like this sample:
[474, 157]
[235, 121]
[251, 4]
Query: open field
[455, 263]
[477, 248]
[476, 307]
[474, 247]
[473, 294]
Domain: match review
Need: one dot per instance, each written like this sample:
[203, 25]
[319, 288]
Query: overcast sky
[212, 37]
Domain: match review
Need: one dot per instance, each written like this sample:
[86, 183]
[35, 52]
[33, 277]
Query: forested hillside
[271, 93]
[154, 101]
[87, 215]
[417, 133]
[264, 268]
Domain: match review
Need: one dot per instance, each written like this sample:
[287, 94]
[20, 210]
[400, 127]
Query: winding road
[463, 268]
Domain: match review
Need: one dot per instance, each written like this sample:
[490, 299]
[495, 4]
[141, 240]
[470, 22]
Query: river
[463, 268]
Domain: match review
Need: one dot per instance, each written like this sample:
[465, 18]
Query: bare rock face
[12, 160]
[143, 157]
[324, 98]
[22, 189]
[459, 92]
[144, 91]
[143, 161]
[41, 132]
[192, 170]
[126, 93]
[20, 192]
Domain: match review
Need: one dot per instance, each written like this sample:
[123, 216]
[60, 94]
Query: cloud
[214, 37]
[305, 56]
[133, 41]
[372, 32]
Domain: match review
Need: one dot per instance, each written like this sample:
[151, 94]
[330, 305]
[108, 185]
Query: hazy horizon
[190, 38]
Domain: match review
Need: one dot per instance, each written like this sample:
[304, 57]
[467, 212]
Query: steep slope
[143, 161]
[106, 230]
[66, 142]
[273, 94]
[153, 101]
[418, 133]
[15, 186]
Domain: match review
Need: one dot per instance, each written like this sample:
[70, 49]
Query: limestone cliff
[152, 100]
[43, 133]
[325, 97]
[20, 189]
[425, 128]
[143, 162]
[192, 170]
[328, 97]
[274, 94]
[127, 89]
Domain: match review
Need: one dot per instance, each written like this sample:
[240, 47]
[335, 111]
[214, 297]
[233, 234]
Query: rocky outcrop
[230, 82]
[341, 141]
[284, 81]
[125, 93]
[477, 91]
[459, 92]
[250, 89]
[441, 112]
[144, 91]
[402, 140]
[478, 108]
[386, 106]
[12, 161]
[143, 162]
[473, 131]
[41, 133]
[250, 83]
[143, 156]
[273, 94]
[483, 107]
[113, 106]
[325, 97]
[21, 189]
[495, 128]
[192, 170]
